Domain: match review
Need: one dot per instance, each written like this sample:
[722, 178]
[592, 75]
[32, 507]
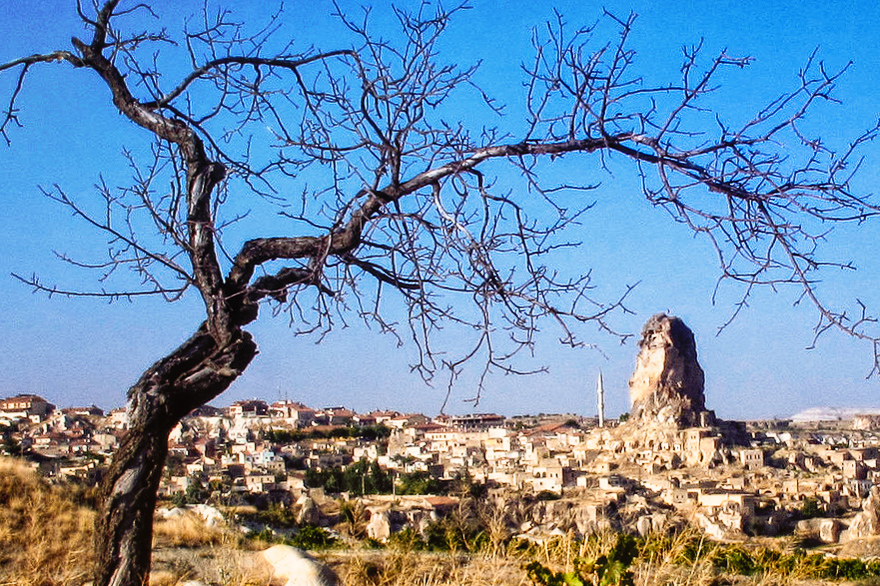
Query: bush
[811, 509]
[734, 560]
[361, 477]
[276, 515]
[190, 531]
[311, 537]
[609, 569]
[421, 483]
[408, 540]
[547, 495]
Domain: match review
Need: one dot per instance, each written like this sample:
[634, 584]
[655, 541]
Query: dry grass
[684, 559]
[189, 530]
[664, 565]
[396, 567]
[45, 537]
[221, 565]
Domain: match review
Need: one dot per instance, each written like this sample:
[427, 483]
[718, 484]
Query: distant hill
[833, 413]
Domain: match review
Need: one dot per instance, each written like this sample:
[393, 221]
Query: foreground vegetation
[46, 535]
[45, 531]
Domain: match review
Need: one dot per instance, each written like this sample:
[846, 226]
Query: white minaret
[600, 391]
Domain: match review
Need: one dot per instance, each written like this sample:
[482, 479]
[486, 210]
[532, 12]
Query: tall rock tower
[666, 387]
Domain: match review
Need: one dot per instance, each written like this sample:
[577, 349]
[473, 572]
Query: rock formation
[867, 522]
[294, 567]
[667, 384]
[824, 530]
[309, 512]
[379, 527]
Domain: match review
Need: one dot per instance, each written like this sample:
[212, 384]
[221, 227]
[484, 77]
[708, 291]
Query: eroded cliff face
[667, 384]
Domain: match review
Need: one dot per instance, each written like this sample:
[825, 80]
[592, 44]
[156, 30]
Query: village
[811, 477]
[670, 462]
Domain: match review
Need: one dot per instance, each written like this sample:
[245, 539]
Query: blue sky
[79, 351]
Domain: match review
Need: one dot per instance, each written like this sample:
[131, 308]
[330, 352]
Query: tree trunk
[190, 376]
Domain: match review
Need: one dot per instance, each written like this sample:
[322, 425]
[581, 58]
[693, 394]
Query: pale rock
[644, 525]
[867, 522]
[825, 530]
[165, 513]
[721, 527]
[294, 567]
[210, 515]
[309, 513]
[379, 527]
[653, 523]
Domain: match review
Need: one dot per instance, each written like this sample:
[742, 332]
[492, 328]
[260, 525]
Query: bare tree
[406, 212]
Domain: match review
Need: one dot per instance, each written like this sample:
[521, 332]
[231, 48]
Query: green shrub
[811, 509]
[408, 540]
[311, 537]
[610, 569]
[734, 560]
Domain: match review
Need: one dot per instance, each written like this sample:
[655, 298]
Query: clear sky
[81, 351]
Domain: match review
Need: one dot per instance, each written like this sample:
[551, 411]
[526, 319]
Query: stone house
[854, 470]
[336, 415]
[106, 441]
[857, 488]
[383, 417]
[293, 413]
[730, 501]
[409, 421]
[259, 482]
[549, 475]
[117, 419]
[296, 482]
[613, 483]
[864, 454]
[837, 457]
[751, 459]
[25, 406]
[248, 408]
[364, 420]
[692, 441]
[476, 421]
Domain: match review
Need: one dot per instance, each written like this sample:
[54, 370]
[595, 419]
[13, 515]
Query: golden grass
[397, 567]
[45, 537]
[189, 530]
[221, 565]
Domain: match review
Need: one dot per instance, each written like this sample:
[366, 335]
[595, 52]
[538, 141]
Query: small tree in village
[400, 209]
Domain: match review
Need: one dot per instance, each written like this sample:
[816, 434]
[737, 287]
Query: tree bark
[190, 376]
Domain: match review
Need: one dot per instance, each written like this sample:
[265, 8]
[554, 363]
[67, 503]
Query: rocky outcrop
[294, 567]
[726, 526]
[309, 513]
[667, 384]
[654, 523]
[824, 530]
[867, 522]
[379, 527]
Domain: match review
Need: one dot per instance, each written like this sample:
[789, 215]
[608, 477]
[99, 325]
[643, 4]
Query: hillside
[45, 540]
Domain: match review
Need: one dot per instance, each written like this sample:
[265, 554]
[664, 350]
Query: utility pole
[600, 391]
